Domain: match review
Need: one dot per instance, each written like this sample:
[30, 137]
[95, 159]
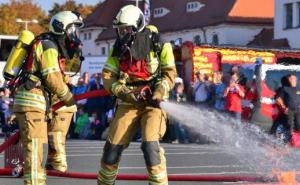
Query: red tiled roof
[214, 12]
[253, 8]
[265, 39]
[105, 12]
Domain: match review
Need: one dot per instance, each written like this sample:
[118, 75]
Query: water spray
[245, 141]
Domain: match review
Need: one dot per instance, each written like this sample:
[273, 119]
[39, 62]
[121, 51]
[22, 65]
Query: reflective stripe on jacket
[166, 63]
[45, 62]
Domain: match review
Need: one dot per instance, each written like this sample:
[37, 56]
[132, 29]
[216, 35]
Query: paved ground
[84, 156]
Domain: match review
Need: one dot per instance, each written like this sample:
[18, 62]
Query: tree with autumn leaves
[28, 10]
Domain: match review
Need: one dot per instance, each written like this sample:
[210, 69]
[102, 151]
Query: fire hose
[17, 172]
[92, 94]
[141, 177]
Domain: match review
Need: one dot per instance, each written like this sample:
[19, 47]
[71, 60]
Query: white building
[287, 21]
[226, 22]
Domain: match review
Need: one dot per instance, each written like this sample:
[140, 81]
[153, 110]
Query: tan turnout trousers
[57, 132]
[33, 130]
[128, 119]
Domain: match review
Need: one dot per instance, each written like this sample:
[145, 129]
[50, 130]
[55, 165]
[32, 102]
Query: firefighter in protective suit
[140, 72]
[43, 79]
[57, 132]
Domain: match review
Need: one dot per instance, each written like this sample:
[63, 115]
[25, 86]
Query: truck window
[273, 78]
[246, 70]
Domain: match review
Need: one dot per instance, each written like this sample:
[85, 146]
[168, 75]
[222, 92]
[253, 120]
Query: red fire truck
[266, 66]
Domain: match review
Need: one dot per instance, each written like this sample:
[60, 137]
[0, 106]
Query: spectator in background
[220, 87]
[101, 104]
[281, 120]
[81, 121]
[97, 127]
[3, 108]
[241, 79]
[86, 77]
[201, 88]
[234, 94]
[178, 131]
[289, 101]
[95, 104]
[249, 100]
[79, 89]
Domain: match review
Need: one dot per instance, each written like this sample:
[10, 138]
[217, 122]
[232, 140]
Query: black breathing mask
[72, 42]
[125, 37]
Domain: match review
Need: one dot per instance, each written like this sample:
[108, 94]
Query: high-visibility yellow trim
[167, 57]
[49, 58]
[154, 183]
[50, 70]
[168, 65]
[41, 176]
[166, 85]
[107, 182]
[64, 92]
[29, 104]
[114, 88]
[108, 173]
[34, 165]
[111, 68]
[30, 96]
[158, 176]
[112, 63]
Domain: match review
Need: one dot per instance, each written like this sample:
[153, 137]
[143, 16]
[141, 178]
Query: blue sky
[47, 4]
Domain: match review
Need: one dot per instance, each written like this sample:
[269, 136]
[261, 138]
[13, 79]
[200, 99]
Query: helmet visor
[124, 31]
[73, 31]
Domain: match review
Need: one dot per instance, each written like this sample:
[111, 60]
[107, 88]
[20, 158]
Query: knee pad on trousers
[112, 153]
[151, 152]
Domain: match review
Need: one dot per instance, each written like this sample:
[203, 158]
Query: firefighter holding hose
[40, 81]
[140, 72]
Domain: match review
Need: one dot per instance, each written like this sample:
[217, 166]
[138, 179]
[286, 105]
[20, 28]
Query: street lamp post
[26, 22]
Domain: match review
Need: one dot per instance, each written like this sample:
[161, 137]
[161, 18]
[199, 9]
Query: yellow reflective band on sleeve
[168, 66]
[49, 70]
[112, 64]
[111, 68]
[64, 92]
[167, 57]
[49, 58]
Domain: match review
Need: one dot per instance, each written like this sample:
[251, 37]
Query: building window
[298, 7]
[103, 50]
[90, 36]
[215, 39]
[85, 36]
[194, 6]
[197, 40]
[288, 15]
[160, 12]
